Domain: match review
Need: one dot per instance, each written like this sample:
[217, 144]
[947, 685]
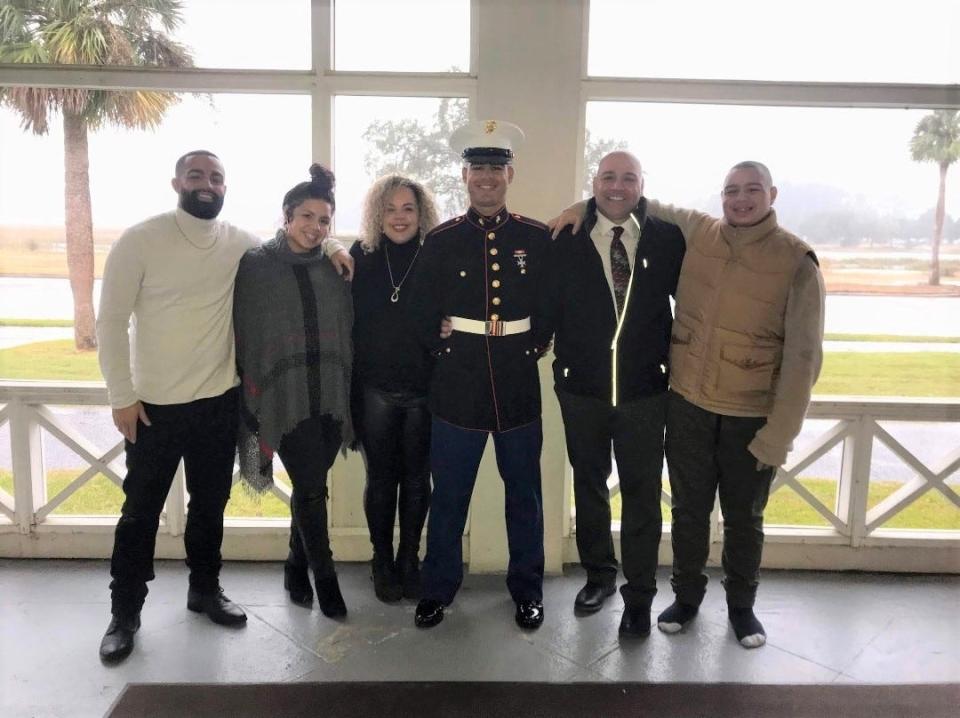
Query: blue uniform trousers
[455, 456]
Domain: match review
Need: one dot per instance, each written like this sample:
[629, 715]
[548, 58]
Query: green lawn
[36, 322]
[863, 373]
[54, 360]
[101, 497]
[890, 374]
[886, 338]
[931, 511]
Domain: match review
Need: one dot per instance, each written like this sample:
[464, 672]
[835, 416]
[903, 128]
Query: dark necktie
[619, 268]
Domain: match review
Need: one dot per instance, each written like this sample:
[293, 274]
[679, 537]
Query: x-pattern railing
[26, 409]
[97, 462]
[856, 430]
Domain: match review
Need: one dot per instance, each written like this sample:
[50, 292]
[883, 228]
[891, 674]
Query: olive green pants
[706, 455]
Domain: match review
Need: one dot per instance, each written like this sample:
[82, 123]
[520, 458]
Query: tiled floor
[822, 627]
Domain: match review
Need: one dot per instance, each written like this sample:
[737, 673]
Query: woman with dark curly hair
[391, 379]
[292, 319]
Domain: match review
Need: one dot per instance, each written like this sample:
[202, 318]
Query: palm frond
[91, 32]
[936, 138]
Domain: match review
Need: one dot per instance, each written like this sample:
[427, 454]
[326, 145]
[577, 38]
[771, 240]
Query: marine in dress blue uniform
[480, 270]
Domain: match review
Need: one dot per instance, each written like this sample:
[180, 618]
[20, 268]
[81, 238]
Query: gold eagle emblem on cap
[490, 127]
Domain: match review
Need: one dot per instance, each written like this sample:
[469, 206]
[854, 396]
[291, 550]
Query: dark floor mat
[537, 700]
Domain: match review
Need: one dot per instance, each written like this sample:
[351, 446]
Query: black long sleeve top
[387, 354]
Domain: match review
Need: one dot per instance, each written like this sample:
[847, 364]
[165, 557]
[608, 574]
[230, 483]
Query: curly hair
[320, 186]
[375, 204]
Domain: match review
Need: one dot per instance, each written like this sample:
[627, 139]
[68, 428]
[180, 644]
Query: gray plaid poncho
[292, 315]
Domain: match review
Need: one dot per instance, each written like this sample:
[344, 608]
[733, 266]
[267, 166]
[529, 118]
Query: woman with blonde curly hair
[391, 374]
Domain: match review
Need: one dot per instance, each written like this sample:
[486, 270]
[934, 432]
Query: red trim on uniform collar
[488, 223]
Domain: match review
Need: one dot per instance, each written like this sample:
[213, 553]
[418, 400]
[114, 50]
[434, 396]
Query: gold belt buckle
[494, 328]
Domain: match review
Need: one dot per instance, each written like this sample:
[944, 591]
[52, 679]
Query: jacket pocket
[746, 369]
[681, 337]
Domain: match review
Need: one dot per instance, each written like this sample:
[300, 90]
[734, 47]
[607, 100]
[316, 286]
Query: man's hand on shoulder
[343, 263]
[572, 216]
[125, 419]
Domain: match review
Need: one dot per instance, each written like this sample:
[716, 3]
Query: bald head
[760, 168]
[618, 185]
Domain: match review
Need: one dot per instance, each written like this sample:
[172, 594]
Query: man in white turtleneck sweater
[171, 379]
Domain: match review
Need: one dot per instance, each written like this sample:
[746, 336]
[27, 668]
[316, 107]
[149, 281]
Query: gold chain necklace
[193, 244]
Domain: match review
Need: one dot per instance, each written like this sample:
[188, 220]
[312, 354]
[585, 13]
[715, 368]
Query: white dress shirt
[602, 236]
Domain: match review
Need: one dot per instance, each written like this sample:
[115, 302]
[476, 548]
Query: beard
[191, 203]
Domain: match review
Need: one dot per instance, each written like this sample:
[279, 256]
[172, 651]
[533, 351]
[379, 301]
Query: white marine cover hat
[486, 141]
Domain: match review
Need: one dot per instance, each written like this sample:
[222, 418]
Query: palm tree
[937, 139]
[87, 32]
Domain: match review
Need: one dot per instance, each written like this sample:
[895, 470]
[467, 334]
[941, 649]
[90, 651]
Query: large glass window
[408, 135]
[816, 40]
[412, 36]
[846, 179]
[248, 34]
[203, 33]
[264, 142]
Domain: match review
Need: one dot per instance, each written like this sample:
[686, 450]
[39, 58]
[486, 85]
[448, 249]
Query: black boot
[329, 597]
[408, 568]
[118, 640]
[386, 584]
[297, 581]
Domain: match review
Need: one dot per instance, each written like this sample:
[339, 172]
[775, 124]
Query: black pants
[707, 452]
[396, 450]
[307, 453]
[635, 430]
[204, 434]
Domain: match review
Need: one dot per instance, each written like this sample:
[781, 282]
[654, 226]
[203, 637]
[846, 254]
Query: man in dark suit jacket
[604, 294]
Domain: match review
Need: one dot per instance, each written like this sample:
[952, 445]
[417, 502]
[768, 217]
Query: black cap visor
[487, 156]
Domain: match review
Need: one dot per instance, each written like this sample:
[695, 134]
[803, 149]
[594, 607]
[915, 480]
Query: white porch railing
[29, 512]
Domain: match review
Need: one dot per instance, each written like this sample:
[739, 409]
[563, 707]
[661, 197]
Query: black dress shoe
[297, 582]
[118, 640]
[429, 613]
[217, 606]
[329, 597]
[529, 614]
[591, 597]
[635, 622]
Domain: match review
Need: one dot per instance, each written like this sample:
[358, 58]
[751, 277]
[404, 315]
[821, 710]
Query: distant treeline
[829, 215]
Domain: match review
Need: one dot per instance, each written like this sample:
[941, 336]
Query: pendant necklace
[395, 296]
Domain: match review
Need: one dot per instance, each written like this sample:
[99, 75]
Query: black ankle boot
[329, 597]
[408, 568]
[297, 582]
[386, 584]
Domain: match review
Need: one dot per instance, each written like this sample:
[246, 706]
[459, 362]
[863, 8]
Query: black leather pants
[396, 449]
